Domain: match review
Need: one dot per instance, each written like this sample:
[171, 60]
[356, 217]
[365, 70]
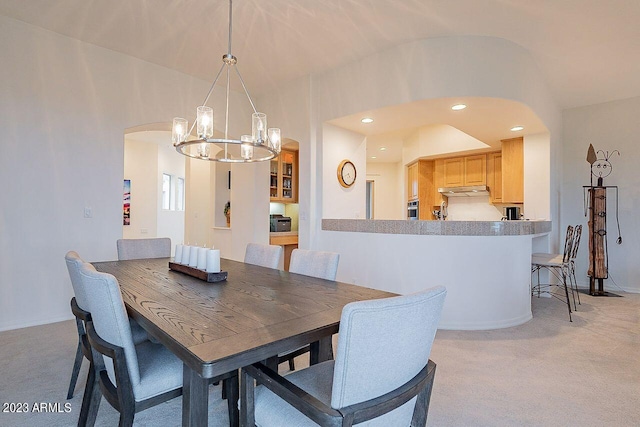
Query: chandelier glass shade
[263, 144]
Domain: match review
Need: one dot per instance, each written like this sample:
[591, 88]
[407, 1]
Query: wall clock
[346, 173]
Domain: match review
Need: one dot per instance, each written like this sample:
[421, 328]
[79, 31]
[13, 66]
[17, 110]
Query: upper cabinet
[494, 176]
[463, 171]
[475, 170]
[284, 177]
[412, 181]
[513, 170]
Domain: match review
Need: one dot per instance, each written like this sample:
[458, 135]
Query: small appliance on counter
[512, 213]
[279, 223]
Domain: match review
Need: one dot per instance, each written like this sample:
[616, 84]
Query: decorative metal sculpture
[595, 204]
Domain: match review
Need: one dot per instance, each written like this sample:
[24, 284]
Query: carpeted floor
[547, 372]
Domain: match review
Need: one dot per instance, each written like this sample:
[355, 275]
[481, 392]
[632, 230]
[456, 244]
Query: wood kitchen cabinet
[475, 170]
[464, 171]
[494, 176]
[412, 181]
[284, 177]
[513, 170]
[421, 186]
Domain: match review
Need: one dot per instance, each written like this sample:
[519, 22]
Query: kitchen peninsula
[485, 265]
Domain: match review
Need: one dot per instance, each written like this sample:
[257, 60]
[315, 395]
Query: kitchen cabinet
[284, 177]
[421, 186]
[475, 170]
[494, 176]
[412, 181]
[289, 242]
[513, 170]
[464, 171]
[453, 172]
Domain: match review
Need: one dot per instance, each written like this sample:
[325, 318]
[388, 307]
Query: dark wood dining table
[215, 328]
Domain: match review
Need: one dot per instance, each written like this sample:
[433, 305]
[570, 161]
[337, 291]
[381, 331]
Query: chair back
[568, 245]
[382, 344]
[577, 232]
[323, 265]
[109, 317]
[143, 248]
[74, 263]
[263, 255]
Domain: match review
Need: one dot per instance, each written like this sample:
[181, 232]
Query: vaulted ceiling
[588, 50]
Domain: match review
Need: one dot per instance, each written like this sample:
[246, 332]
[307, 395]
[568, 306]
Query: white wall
[170, 222]
[477, 208]
[68, 104]
[609, 126]
[388, 197]
[141, 167]
[340, 144]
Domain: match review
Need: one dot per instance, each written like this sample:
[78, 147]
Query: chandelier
[263, 143]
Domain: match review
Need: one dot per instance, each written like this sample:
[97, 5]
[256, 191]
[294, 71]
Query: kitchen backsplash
[475, 208]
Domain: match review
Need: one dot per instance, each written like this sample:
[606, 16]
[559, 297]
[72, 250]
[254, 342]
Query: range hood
[469, 191]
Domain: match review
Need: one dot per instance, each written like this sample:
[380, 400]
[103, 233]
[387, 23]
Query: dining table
[218, 327]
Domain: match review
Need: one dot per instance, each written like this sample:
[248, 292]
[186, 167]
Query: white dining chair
[79, 308]
[323, 265]
[381, 375]
[159, 247]
[263, 255]
[132, 377]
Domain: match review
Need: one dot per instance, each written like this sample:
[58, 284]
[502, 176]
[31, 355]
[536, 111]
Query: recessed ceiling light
[373, 157]
[383, 148]
[458, 107]
[367, 120]
[516, 128]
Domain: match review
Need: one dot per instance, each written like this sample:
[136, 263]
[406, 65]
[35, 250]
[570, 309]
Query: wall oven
[413, 210]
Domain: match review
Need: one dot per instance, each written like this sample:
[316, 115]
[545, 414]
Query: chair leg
[230, 385]
[76, 370]
[292, 365]
[126, 418]
[575, 280]
[90, 400]
[566, 292]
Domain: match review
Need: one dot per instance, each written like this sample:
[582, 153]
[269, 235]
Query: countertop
[438, 228]
[283, 233]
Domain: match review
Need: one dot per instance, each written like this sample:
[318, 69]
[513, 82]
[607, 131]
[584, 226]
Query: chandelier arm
[206, 99]
[245, 89]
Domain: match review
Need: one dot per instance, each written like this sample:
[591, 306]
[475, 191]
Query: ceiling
[588, 50]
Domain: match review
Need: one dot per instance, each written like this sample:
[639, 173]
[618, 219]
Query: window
[180, 194]
[172, 193]
[166, 191]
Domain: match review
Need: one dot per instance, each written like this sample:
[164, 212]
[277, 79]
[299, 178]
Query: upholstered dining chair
[143, 248]
[131, 377]
[263, 255]
[79, 308]
[323, 265]
[381, 374]
[559, 266]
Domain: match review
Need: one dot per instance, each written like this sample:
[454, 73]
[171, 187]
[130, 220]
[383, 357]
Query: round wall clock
[346, 173]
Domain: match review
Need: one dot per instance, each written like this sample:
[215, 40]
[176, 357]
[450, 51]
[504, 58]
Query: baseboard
[35, 323]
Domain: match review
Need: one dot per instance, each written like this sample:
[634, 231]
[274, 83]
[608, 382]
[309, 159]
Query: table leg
[321, 351]
[195, 399]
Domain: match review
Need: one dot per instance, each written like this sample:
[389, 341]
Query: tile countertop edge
[438, 228]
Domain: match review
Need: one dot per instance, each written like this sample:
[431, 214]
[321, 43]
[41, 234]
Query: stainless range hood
[469, 191]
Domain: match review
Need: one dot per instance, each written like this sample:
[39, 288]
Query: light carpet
[547, 372]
